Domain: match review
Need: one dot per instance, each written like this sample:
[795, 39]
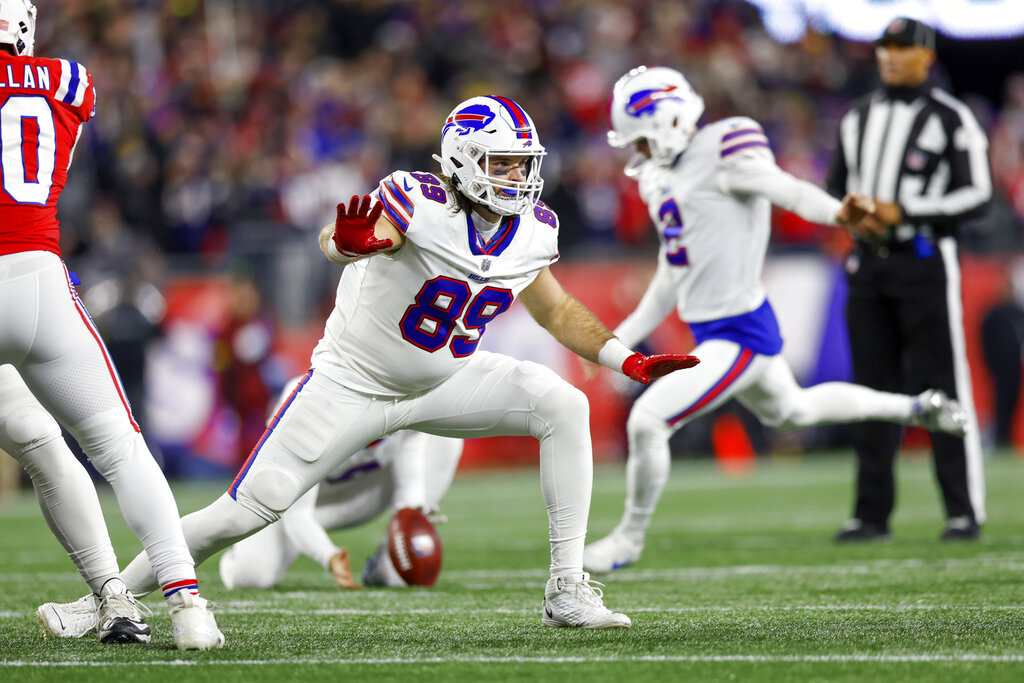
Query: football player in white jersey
[426, 268]
[709, 192]
[404, 470]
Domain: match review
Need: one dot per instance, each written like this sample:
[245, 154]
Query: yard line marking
[686, 659]
[227, 607]
[1014, 564]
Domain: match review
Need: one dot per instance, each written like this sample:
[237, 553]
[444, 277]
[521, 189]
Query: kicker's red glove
[645, 368]
[353, 230]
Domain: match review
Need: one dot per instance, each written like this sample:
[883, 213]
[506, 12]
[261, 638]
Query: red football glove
[645, 368]
[353, 230]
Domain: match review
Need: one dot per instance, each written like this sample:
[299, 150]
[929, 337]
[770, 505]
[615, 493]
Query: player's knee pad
[271, 489]
[25, 426]
[645, 425]
[109, 439]
[563, 404]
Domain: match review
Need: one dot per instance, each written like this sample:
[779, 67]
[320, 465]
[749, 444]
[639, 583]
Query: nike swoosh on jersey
[405, 184]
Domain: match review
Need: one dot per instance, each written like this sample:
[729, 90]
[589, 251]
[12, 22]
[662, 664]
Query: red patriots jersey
[43, 104]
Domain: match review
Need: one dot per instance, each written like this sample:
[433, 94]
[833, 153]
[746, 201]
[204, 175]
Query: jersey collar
[499, 241]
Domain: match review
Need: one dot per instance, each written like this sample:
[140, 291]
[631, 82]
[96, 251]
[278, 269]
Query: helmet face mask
[658, 105]
[18, 26]
[480, 142]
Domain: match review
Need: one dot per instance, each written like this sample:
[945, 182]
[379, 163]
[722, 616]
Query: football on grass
[415, 547]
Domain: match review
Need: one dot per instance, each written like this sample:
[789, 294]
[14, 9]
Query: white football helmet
[478, 130]
[657, 104]
[18, 26]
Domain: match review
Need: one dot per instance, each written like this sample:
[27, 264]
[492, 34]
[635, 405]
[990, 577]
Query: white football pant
[763, 384]
[324, 423]
[49, 338]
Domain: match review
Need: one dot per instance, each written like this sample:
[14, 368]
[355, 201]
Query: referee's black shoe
[961, 529]
[856, 530]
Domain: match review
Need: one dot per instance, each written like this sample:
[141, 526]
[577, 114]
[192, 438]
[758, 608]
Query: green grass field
[740, 581]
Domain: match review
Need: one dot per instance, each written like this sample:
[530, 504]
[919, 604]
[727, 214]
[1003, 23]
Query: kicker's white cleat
[937, 412]
[614, 551]
[69, 619]
[572, 600]
[193, 623]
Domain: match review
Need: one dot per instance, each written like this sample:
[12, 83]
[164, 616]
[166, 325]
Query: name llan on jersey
[40, 80]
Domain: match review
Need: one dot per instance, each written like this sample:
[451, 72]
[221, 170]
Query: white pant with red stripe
[47, 335]
[764, 384]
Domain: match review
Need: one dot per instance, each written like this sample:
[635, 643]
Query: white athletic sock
[840, 402]
[647, 470]
[71, 509]
[142, 494]
[561, 422]
[207, 532]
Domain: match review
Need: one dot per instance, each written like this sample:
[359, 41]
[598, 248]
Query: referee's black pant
[900, 310]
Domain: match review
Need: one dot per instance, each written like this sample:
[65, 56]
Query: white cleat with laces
[614, 551]
[193, 623]
[120, 616]
[69, 619]
[937, 412]
[573, 600]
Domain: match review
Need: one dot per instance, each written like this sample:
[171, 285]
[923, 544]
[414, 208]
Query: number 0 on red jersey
[43, 104]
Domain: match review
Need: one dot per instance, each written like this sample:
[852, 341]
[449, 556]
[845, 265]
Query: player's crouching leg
[561, 421]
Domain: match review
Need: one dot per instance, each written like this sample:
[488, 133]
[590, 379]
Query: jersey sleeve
[743, 137]
[395, 192]
[547, 220]
[74, 89]
[759, 176]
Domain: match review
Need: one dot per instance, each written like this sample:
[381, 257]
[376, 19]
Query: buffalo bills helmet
[658, 105]
[18, 26]
[480, 129]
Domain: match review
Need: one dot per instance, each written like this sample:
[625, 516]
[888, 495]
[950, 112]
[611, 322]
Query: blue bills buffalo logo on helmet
[465, 121]
[646, 101]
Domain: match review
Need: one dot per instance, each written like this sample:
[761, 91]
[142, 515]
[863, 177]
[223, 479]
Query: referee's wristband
[613, 354]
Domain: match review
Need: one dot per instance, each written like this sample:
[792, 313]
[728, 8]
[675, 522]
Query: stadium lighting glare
[788, 20]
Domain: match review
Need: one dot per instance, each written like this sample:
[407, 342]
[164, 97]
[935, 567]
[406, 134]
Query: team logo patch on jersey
[465, 121]
[646, 101]
[486, 265]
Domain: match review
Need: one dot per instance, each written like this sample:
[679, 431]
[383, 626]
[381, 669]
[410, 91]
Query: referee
[920, 153]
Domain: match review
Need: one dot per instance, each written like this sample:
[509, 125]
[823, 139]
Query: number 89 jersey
[43, 104]
[407, 321]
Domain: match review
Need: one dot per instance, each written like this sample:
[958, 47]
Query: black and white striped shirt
[919, 147]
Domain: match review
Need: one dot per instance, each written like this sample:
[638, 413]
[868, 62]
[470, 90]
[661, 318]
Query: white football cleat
[120, 616]
[572, 600]
[379, 572]
[614, 551]
[935, 411]
[193, 623]
[69, 619]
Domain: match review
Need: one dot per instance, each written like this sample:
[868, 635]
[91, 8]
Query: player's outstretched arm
[576, 328]
[359, 231]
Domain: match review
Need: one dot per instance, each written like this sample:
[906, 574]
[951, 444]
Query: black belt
[920, 245]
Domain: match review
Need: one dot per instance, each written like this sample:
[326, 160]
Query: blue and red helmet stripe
[518, 116]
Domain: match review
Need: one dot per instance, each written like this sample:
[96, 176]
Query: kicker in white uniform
[709, 193]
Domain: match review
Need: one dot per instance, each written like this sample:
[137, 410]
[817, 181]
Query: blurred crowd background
[227, 130]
